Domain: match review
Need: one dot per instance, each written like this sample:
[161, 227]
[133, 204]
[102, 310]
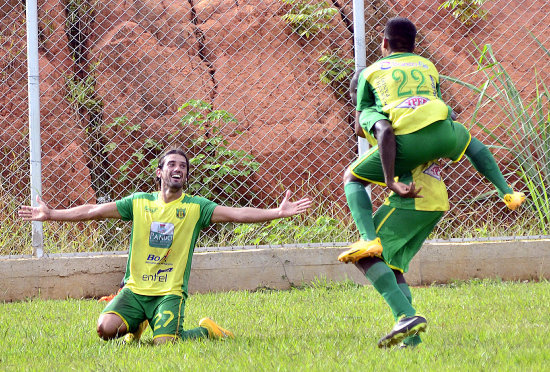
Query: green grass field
[473, 326]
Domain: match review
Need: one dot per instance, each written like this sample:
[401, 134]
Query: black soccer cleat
[405, 327]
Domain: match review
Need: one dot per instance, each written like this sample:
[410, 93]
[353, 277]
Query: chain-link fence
[256, 92]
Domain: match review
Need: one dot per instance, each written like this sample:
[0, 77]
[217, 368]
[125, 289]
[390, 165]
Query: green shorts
[164, 313]
[442, 139]
[402, 233]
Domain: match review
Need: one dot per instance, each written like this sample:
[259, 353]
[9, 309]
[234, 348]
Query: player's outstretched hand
[288, 208]
[406, 191]
[39, 213]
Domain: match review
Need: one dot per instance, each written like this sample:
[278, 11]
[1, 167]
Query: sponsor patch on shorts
[434, 171]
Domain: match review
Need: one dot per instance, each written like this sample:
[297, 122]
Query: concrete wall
[94, 276]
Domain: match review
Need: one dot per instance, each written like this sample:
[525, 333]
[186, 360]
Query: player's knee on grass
[110, 326]
[164, 340]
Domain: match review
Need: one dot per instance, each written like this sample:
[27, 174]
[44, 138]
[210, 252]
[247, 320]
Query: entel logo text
[155, 277]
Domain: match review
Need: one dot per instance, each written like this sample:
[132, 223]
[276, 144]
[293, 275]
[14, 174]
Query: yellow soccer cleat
[361, 249]
[134, 337]
[514, 200]
[215, 331]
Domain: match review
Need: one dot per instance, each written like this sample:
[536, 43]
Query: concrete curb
[280, 268]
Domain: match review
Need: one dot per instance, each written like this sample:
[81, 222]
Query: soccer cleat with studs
[405, 327]
[514, 200]
[215, 331]
[361, 249]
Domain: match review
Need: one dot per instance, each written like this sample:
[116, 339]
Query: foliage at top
[466, 11]
[219, 170]
[307, 19]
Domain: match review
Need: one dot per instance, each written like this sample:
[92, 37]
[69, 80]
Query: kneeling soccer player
[165, 229]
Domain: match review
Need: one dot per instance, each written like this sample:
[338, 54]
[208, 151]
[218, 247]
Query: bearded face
[173, 173]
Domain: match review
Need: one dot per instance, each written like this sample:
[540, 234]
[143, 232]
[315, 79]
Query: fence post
[360, 48]
[34, 120]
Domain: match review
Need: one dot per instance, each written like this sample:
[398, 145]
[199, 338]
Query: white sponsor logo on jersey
[413, 102]
[386, 65]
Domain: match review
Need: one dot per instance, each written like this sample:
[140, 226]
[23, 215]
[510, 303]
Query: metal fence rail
[256, 91]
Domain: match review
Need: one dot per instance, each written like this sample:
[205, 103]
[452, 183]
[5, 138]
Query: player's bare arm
[251, 215]
[383, 132]
[80, 213]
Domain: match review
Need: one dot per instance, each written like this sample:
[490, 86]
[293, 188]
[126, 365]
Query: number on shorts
[160, 317]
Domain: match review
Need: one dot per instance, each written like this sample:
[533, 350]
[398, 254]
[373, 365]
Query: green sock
[411, 340]
[484, 162]
[199, 332]
[383, 280]
[361, 209]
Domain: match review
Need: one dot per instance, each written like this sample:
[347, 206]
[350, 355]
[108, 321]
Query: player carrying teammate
[165, 229]
[399, 107]
[402, 225]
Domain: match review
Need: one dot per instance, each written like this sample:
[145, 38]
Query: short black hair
[171, 151]
[401, 34]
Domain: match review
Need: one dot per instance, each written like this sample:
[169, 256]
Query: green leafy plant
[82, 92]
[526, 126]
[142, 179]
[307, 19]
[219, 170]
[337, 71]
[466, 11]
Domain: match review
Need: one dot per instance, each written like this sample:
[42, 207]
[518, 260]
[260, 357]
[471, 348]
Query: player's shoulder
[370, 70]
[400, 60]
[151, 196]
[195, 199]
[138, 197]
[427, 60]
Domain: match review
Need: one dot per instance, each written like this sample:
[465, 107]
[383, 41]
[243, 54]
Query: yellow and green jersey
[402, 88]
[434, 191]
[163, 240]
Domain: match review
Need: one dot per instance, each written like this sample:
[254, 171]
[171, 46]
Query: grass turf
[472, 326]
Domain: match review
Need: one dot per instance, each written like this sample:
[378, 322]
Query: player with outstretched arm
[165, 229]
